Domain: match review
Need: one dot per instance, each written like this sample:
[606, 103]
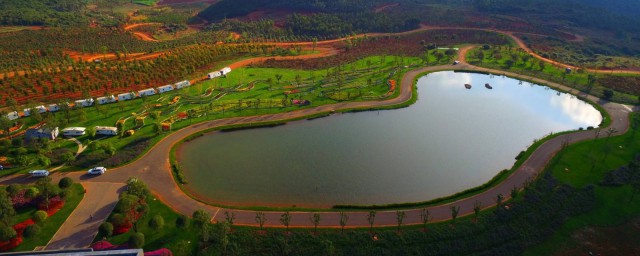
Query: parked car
[97, 170]
[39, 173]
[456, 62]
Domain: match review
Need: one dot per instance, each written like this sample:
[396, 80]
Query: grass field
[584, 164]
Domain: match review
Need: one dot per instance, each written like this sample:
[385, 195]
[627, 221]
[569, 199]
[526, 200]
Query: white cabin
[213, 75]
[225, 71]
[41, 109]
[166, 88]
[106, 130]
[147, 92]
[125, 96]
[53, 107]
[182, 84]
[106, 99]
[13, 115]
[26, 112]
[74, 131]
[84, 103]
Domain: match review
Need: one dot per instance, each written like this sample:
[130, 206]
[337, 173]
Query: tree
[514, 192]
[47, 190]
[400, 218]
[201, 217]
[425, 216]
[343, 220]
[7, 233]
[298, 79]
[65, 183]
[260, 219]
[39, 217]
[278, 77]
[157, 222]
[607, 94]
[13, 189]
[285, 219]
[105, 229]
[454, 212]
[315, 219]
[182, 221]
[31, 231]
[136, 240]
[6, 209]
[371, 218]
[229, 217]
[137, 187]
[91, 131]
[499, 199]
[477, 206]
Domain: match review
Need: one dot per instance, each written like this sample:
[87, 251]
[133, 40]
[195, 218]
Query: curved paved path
[153, 168]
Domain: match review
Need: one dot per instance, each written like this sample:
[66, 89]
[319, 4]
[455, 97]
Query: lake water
[450, 140]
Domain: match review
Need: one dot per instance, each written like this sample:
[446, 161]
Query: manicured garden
[36, 212]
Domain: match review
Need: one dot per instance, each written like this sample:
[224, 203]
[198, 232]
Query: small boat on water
[488, 86]
[468, 86]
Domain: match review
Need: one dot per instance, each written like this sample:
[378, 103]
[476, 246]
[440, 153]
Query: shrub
[520, 155]
[39, 216]
[106, 229]
[201, 217]
[13, 189]
[182, 221]
[65, 183]
[136, 240]
[157, 222]
[7, 233]
[31, 231]
[118, 219]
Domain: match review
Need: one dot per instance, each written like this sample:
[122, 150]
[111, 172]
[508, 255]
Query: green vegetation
[515, 60]
[587, 164]
[43, 12]
[51, 225]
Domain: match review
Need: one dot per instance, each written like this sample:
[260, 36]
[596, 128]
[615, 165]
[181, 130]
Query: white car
[97, 170]
[39, 173]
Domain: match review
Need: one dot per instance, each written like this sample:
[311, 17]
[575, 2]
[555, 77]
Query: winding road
[154, 168]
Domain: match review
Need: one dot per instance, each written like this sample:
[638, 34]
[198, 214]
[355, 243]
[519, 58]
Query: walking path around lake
[154, 169]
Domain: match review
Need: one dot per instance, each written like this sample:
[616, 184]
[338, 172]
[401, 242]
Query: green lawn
[53, 223]
[584, 164]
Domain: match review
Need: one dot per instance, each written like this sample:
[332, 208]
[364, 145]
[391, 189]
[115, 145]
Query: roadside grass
[53, 223]
[166, 237]
[587, 163]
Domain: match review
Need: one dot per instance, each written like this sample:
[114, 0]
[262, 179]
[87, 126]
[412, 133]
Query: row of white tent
[121, 97]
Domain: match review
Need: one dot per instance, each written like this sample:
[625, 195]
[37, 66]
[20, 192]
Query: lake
[450, 140]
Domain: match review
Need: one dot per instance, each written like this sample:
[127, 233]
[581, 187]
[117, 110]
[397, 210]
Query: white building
[182, 84]
[106, 130]
[74, 131]
[41, 109]
[106, 99]
[147, 92]
[225, 71]
[84, 103]
[13, 115]
[53, 107]
[26, 112]
[166, 88]
[125, 96]
[215, 74]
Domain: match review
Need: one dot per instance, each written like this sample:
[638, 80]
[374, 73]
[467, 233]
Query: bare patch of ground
[619, 240]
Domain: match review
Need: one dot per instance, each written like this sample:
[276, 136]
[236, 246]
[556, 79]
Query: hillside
[42, 12]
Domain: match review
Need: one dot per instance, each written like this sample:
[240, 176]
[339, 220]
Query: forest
[42, 12]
